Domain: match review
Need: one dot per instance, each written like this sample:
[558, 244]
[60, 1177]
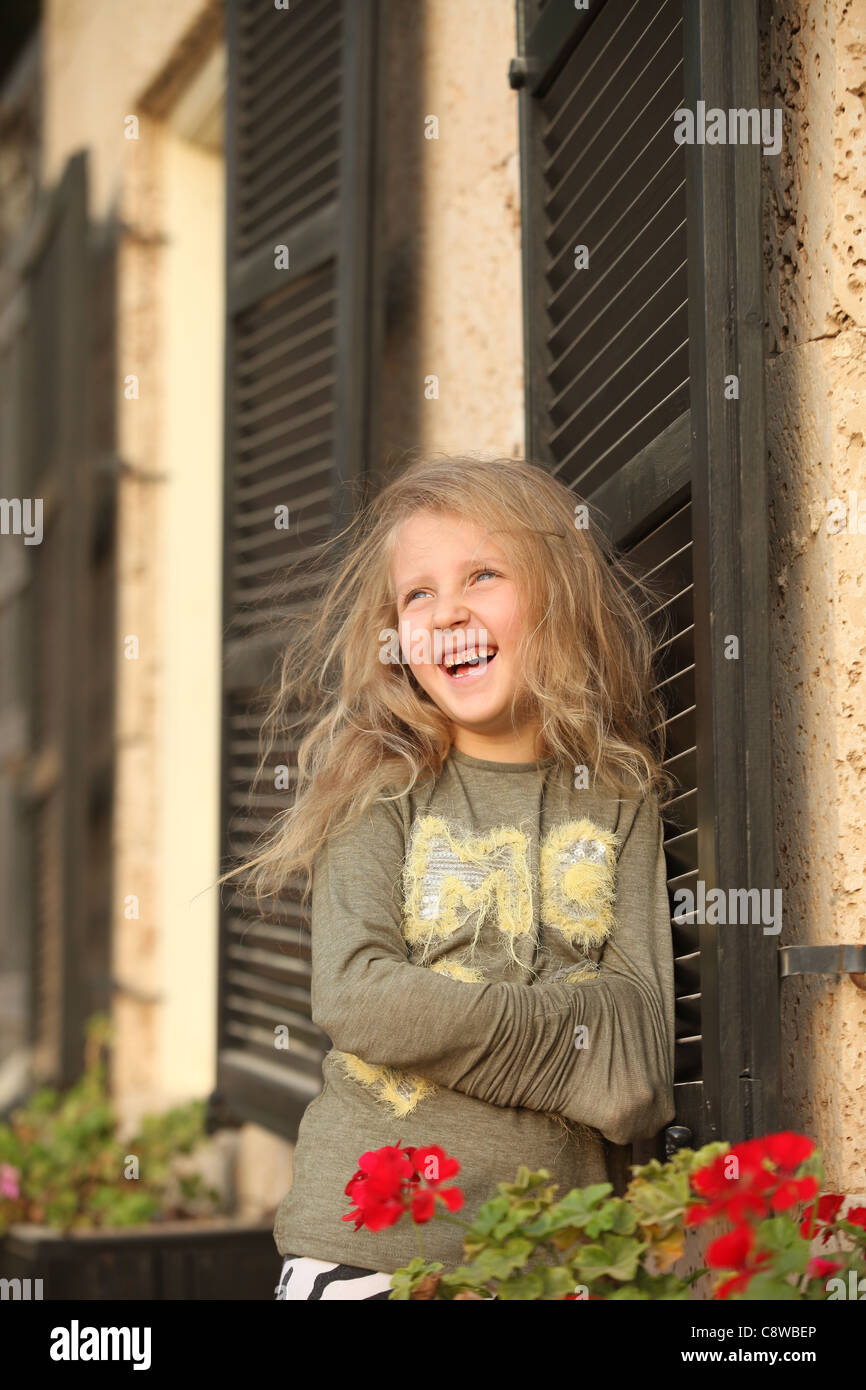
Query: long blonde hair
[368, 730]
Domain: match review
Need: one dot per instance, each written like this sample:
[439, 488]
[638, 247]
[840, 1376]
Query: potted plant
[527, 1244]
[86, 1215]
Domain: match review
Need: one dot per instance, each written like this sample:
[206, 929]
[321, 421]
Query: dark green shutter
[58, 632]
[625, 368]
[301, 345]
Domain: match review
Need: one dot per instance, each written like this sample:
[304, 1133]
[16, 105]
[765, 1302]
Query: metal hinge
[824, 960]
[522, 72]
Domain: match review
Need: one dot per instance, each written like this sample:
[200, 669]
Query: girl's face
[456, 597]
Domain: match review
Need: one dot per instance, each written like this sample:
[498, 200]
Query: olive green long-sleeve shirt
[492, 960]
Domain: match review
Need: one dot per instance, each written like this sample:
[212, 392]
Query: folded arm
[505, 1043]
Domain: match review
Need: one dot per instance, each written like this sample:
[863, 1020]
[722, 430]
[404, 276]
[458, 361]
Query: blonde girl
[477, 816]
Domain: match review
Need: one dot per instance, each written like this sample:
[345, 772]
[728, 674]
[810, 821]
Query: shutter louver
[287, 130]
[284, 405]
[664, 557]
[617, 343]
[301, 160]
[615, 182]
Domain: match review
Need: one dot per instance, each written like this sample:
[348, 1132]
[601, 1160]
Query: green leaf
[522, 1287]
[557, 1280]
[489, 1216]
[527, 1180]
[576, 1208]
[661, 1200]
[464, 1277]
[519, 1217]
[662, 1286]
[616, 1256]
[769, 1286]
[405, 1281]
[500, 1263]
[615, 1215]
[779, 1233]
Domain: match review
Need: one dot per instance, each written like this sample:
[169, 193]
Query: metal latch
[676, 1137]
[824, 960]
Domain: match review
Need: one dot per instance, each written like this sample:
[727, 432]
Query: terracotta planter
[212, 1259]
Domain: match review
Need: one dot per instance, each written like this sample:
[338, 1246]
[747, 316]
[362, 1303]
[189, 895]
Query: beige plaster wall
[103, 61]
[814, 67]
[99, 56]
[451, 230]
[189, 737]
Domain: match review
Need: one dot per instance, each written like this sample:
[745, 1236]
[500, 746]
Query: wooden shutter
[16, 878]
[625, 402]
[61, 631]
[301, 347]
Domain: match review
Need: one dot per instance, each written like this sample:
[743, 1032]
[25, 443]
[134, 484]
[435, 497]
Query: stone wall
[814, 67]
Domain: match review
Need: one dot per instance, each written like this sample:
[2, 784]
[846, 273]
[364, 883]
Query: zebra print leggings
[304, 1278]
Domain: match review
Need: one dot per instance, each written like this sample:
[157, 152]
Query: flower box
[214, 1258]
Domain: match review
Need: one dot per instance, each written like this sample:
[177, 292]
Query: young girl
[478, 811]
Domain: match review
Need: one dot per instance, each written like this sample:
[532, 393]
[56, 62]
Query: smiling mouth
[463, 670]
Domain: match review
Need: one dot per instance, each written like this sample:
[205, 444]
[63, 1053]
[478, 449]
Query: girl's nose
[450, 612]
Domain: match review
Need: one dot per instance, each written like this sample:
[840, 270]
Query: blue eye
[413, 593]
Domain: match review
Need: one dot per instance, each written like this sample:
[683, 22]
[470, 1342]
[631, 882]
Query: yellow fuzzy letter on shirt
[449, 875]
[577, 864]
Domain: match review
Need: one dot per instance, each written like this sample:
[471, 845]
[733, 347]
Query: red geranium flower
[738, 1282]
[751, 1154]
[730, 1251]
[737, 1198]
[389, 1180]
[433, 1164]
[713, 1180]
[793, 1190]
[454, 1199]
[379, 1189]
[734, 1251]
[423, 1205]
[830, 1205]
[788, 1150]
[821, 1269]
[757, 1189]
